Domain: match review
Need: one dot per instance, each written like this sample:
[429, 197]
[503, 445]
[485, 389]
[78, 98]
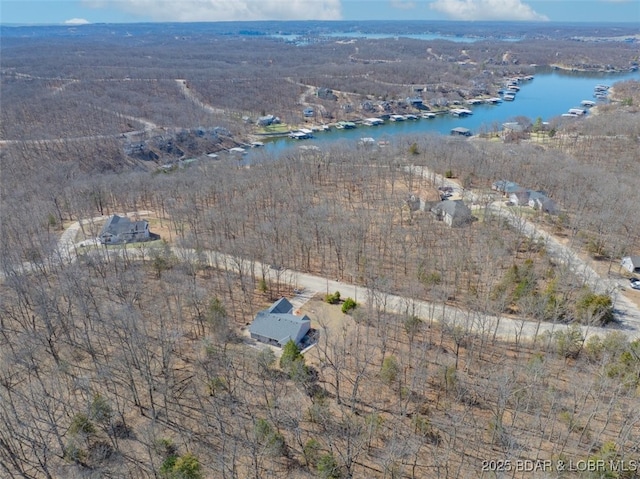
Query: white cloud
[403, 4]
[76, 21]
[487, 10]
[226, 10]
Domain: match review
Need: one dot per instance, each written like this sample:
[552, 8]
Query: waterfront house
[460, 131]
[512, 127]
[268, 120]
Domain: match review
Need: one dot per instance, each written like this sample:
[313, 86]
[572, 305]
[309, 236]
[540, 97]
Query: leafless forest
[134, 362]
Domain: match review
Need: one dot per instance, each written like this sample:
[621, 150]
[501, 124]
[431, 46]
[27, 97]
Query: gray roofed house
[277, 324]
[513, 127]
[120, 229]
[520, 197]
[506, 187]
[326, 94]
[538, 200]
[453, 212]
[461, 131]
[268, 120]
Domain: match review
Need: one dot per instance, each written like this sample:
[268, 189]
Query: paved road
[470, 321]
[626, 312]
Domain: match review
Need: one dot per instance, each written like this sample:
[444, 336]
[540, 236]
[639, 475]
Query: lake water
[418, 36]
[548, 95]
[302, 40]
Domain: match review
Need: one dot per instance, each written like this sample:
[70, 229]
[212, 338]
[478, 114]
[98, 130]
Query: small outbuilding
[413, 202]
[277, 324]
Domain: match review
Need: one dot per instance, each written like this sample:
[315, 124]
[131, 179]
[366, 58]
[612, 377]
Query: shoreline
[566, 68]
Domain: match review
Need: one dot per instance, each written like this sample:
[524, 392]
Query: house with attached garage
[120, 230]
[520, 197]
[538, 200]
[277, 324]
[453, 212]
[541, 202]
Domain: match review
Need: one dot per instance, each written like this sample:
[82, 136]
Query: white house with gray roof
[277, 324]
[120, 229]
[453, 212]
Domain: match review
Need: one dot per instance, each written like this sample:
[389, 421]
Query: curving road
[504, 328]
[627, 314]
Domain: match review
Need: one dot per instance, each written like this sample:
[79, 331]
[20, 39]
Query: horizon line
[537, 22]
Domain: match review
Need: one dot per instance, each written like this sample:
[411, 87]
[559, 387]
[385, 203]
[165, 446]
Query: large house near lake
[277, 324]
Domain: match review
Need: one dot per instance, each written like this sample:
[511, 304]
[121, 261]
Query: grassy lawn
[271, 129]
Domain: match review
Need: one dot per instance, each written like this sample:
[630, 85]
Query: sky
[127, 11]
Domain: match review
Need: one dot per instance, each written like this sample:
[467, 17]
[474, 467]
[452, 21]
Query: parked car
[635, 283]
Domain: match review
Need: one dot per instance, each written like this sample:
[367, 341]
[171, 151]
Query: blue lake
[302, 40]
[548, 95]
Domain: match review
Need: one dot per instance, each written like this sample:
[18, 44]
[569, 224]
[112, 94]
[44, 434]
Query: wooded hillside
[136, 362]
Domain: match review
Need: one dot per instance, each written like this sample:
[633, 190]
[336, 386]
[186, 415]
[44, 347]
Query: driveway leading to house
[505, 328]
